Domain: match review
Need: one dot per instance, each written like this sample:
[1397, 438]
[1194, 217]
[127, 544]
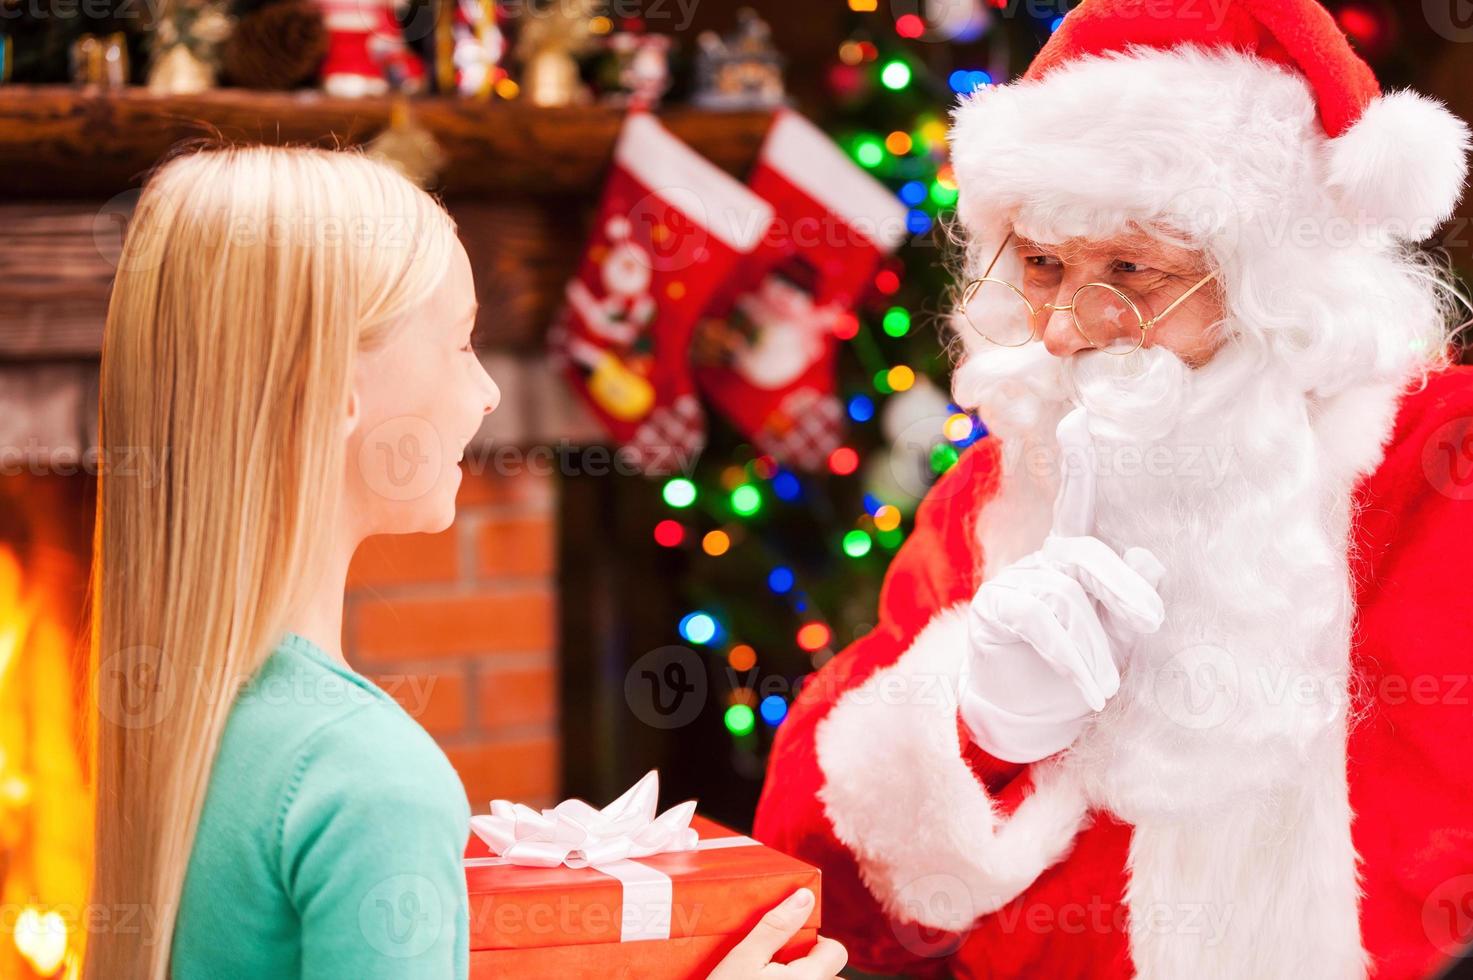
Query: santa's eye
[1131, 268]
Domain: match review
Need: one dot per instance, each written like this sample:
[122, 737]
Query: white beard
[1225, 745]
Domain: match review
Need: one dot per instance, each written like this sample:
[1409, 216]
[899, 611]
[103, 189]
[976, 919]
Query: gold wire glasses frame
[1110, 306]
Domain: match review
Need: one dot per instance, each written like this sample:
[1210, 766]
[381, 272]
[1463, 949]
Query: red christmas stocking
[670, 229]
[766, 353]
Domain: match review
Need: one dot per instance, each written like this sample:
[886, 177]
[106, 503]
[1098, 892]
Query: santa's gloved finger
[1146, 565]
[1073, 646]
[1074, 505]
[1110, 579]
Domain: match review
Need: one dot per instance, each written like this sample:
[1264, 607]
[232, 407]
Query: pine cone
[277, 46]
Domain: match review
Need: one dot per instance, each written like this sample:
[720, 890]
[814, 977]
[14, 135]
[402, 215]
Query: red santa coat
[1410, 767]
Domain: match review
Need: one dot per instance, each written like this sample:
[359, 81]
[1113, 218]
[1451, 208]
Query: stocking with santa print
[670, 229]
[766, 350]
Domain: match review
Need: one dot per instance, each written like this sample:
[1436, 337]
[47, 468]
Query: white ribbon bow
[576, 835]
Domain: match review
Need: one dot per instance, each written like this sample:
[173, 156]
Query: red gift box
[592, 922]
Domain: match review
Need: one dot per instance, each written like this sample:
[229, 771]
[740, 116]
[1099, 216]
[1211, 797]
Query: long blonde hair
[249, 279]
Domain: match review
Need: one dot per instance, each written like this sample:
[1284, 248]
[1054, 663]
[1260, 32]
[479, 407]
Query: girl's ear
[350, 419]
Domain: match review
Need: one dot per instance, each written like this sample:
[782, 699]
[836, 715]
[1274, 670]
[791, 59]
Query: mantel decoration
[742, 70]
[407, 146]
[366, 50]
[276, 46]
[552, 37]
[185, 56]
[98, 59]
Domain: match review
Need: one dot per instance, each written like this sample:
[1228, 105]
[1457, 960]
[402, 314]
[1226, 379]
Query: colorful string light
[740, 720]
[869, 152]
[773, 709]
[861, 408]
[896, 322]
[813, 636]
[895, 75]
[669, 534]
[679, 492]
[698, 628]
[786, 486]
[746, 500]
[741, 657]
[843, 461]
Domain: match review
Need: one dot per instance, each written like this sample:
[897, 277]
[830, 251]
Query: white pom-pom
[1402, 164]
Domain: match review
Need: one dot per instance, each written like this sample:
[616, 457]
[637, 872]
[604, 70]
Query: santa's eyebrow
[1143, 250]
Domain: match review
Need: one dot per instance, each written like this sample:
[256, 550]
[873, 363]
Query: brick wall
[460, 627]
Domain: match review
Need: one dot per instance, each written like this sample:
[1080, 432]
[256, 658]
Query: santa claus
[1172, 678]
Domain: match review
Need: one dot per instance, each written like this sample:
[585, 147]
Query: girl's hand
[752, 957]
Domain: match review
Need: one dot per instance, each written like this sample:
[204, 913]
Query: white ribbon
[575, 835]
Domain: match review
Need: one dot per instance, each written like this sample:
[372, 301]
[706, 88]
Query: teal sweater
[331, 838]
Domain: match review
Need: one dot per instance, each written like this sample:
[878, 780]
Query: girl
[288, 347]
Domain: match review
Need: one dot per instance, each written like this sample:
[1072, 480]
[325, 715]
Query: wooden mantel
[519, 181]
[65, 142]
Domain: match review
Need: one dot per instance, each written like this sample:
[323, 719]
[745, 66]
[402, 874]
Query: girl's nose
[493, 396]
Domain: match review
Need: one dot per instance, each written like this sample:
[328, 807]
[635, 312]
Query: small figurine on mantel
[742, 70]
[469, 48]
[98, 59]
[366, 50]
[186, 46]
[638, 72]
[551, 38]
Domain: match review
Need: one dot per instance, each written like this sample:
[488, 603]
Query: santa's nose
[1060, 336]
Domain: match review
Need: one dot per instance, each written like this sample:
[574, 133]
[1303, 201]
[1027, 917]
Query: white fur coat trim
[929, 842]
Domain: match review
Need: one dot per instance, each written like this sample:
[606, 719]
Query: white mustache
[1136, 397]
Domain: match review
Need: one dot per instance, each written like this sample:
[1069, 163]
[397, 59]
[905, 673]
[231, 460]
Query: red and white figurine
[366, 50]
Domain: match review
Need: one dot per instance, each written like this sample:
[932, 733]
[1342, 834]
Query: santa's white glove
[1045, 633]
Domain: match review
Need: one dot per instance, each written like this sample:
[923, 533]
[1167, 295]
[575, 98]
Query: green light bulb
[746, 500]
[679, 492]
[740, 720]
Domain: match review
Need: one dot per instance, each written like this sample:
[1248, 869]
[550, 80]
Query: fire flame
[45, 786]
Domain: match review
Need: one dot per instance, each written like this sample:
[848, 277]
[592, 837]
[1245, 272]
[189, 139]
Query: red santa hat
[1206, 115]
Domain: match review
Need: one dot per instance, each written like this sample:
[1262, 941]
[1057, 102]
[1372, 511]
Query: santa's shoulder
[1444, 396]
[1429, 448]
[1415, 508]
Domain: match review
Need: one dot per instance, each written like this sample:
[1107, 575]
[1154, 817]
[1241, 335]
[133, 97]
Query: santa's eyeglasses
[1102, 314]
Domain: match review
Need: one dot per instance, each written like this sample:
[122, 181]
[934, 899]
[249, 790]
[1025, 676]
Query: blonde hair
[249, 279]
